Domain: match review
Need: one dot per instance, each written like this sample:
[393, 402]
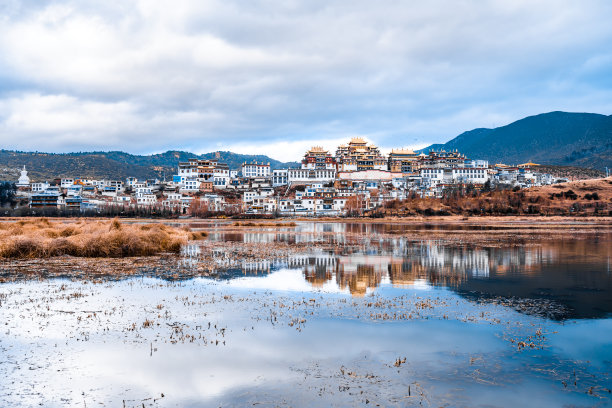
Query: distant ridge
[115, 164]
[555, 138]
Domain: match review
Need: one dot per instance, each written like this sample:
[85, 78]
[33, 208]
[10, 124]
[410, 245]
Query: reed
[41, 238]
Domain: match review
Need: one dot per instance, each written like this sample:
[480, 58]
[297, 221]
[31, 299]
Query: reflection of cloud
[284, 279]
[110, 367]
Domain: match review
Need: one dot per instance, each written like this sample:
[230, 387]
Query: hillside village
[357, 178]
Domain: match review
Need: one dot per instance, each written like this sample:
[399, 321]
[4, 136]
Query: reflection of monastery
[574, 273]
[545, 271]
[262, 237]
[406, 264]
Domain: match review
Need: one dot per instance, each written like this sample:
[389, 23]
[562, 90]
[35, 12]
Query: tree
[7, 193]
[352, 206]
[487, 186]
[199, 208]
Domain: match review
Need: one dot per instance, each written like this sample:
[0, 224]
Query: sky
[276, 77]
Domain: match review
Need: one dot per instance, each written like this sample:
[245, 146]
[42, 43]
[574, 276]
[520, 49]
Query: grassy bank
[579, 198]
[41, 238]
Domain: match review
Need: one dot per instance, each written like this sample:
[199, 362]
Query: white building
[308, 176]
[214, 202]
[122, 199]
[248, 196]
[252, 170]
[470, 175]
[67, 182]
[142, 191]
[189, 169]
[221, 177]
[40, 187]
[131, 181]
[146, 199]
[189, 185]
[264, 204]
[280, 177]
[74, 190]
[432, 176]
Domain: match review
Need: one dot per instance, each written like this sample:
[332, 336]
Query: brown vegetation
[41, 238]
[571, 172]
[582, 198]
[197, 235]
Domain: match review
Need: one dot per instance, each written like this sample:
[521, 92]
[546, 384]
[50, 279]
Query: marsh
[318, 314]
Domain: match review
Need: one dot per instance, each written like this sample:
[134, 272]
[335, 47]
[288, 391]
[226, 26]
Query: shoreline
[409, 219]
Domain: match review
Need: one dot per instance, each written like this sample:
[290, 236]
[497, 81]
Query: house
[280, 177]
[146, 200]
[73, 203]
[131, 181]
[255, 169]
[74, 190]
[66, 182]
[221, 176]
[46, 200]
[40, 187]
[189, 185]
[470, 175]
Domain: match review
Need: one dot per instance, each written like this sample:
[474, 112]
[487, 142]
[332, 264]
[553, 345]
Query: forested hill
[113, 165]
[555, 138]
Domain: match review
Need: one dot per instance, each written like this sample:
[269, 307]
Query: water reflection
[573, 273]
[284, 328]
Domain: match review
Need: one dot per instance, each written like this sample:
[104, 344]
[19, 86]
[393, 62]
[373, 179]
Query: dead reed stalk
[41, 238]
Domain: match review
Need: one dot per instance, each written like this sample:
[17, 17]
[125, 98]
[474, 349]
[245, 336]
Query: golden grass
[41, 238]
[197, 235]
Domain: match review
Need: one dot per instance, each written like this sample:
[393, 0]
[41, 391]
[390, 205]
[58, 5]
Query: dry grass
[41, 238]
[197, 235]
[577, 198]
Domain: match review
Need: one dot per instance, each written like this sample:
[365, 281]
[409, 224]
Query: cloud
[143, 76]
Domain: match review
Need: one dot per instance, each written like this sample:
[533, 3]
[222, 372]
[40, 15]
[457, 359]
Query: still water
[361, 315]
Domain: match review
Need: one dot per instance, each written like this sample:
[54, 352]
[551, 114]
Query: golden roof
[402, 151]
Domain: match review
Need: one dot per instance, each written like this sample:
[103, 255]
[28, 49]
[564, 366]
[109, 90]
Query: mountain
[113, 165]
[555, 138]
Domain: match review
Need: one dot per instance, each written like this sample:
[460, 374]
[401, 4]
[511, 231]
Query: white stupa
[24, 180]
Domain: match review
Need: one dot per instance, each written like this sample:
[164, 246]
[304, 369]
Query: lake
[321, 314]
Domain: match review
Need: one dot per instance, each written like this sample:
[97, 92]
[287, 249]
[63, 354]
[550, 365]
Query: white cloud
[60, 122]
[145, 76]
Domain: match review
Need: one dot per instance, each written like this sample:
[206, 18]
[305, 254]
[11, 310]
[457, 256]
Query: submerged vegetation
[41, 238]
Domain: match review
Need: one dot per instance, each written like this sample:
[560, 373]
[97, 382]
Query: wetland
[307, 313]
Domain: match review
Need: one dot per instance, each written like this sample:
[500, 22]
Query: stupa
[24, 180]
